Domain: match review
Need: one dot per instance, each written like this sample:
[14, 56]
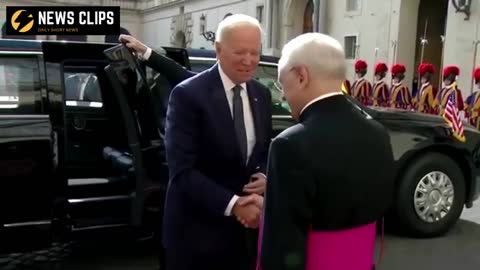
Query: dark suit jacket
[331, 171]
[205, 165]
[172, 71]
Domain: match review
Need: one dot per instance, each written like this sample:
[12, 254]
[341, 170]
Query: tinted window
[160, 88]
[19, 84]
[267, 75]
[82, 89]
[151, 74]
[199, 65]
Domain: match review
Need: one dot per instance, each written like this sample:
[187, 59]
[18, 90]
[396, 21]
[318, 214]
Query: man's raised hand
[134, 44]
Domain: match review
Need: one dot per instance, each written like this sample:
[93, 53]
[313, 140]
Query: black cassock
[332, 171]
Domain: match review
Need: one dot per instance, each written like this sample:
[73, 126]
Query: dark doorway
[308, 18]
[180, 40]
[432, 18]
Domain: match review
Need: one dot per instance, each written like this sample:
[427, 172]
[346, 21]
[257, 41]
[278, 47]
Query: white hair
[235, 20]
[323, 56]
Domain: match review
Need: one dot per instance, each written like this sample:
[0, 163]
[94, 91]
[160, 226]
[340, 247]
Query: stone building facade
[373, 30]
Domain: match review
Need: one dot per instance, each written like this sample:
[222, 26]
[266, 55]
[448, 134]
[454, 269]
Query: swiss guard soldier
[380, 88]
[472, 104]
[424, 101]
[450, 74]
[399, 94]
[361, 88]
[346, 87]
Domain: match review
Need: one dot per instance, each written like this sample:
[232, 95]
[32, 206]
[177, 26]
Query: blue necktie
[239, 121]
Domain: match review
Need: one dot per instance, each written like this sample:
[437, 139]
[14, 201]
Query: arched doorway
[432, 18]
[297, 19]
[180, 40]
[308, 18]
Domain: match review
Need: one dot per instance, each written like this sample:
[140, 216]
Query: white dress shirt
[247, 111]
[147, 54]
[247, 116]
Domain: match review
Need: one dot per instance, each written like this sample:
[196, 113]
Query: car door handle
[12, 148]
[79, 123]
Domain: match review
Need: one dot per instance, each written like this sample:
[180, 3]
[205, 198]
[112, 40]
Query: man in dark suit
[326, 188]
[217, 136]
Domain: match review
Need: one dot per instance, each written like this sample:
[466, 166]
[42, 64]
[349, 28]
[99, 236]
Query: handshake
[248, 209]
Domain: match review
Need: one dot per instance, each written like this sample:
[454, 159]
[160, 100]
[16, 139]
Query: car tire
[408, 220]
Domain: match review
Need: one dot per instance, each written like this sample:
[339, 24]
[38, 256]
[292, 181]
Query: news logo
[63, 20]
[22, 22]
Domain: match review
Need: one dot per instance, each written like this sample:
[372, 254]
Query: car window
[82, 89]
[198, 65]
[151, 75]
[19, 84]
[159, 86]
[267, 75]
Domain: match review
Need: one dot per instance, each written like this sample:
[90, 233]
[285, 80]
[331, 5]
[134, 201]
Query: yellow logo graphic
[16, 24]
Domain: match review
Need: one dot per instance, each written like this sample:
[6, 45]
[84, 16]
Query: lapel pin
[255, 99]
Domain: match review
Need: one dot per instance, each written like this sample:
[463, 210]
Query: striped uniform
[442, 99]
[380, 94]
[425, 99]
[400, 96]
[362, 91]
[472, 109]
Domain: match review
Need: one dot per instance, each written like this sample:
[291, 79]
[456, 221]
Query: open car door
[143, 107]
[123, 77]
[142, 94]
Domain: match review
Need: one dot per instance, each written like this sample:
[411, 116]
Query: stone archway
[294, 20]
[180, 40]
[181, 30]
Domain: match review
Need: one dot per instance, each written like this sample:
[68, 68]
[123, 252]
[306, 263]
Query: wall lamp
[463, 6]
[208, 35]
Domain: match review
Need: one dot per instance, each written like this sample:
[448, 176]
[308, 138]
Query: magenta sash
[259, 244]
[337, 250]
[341, 250]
